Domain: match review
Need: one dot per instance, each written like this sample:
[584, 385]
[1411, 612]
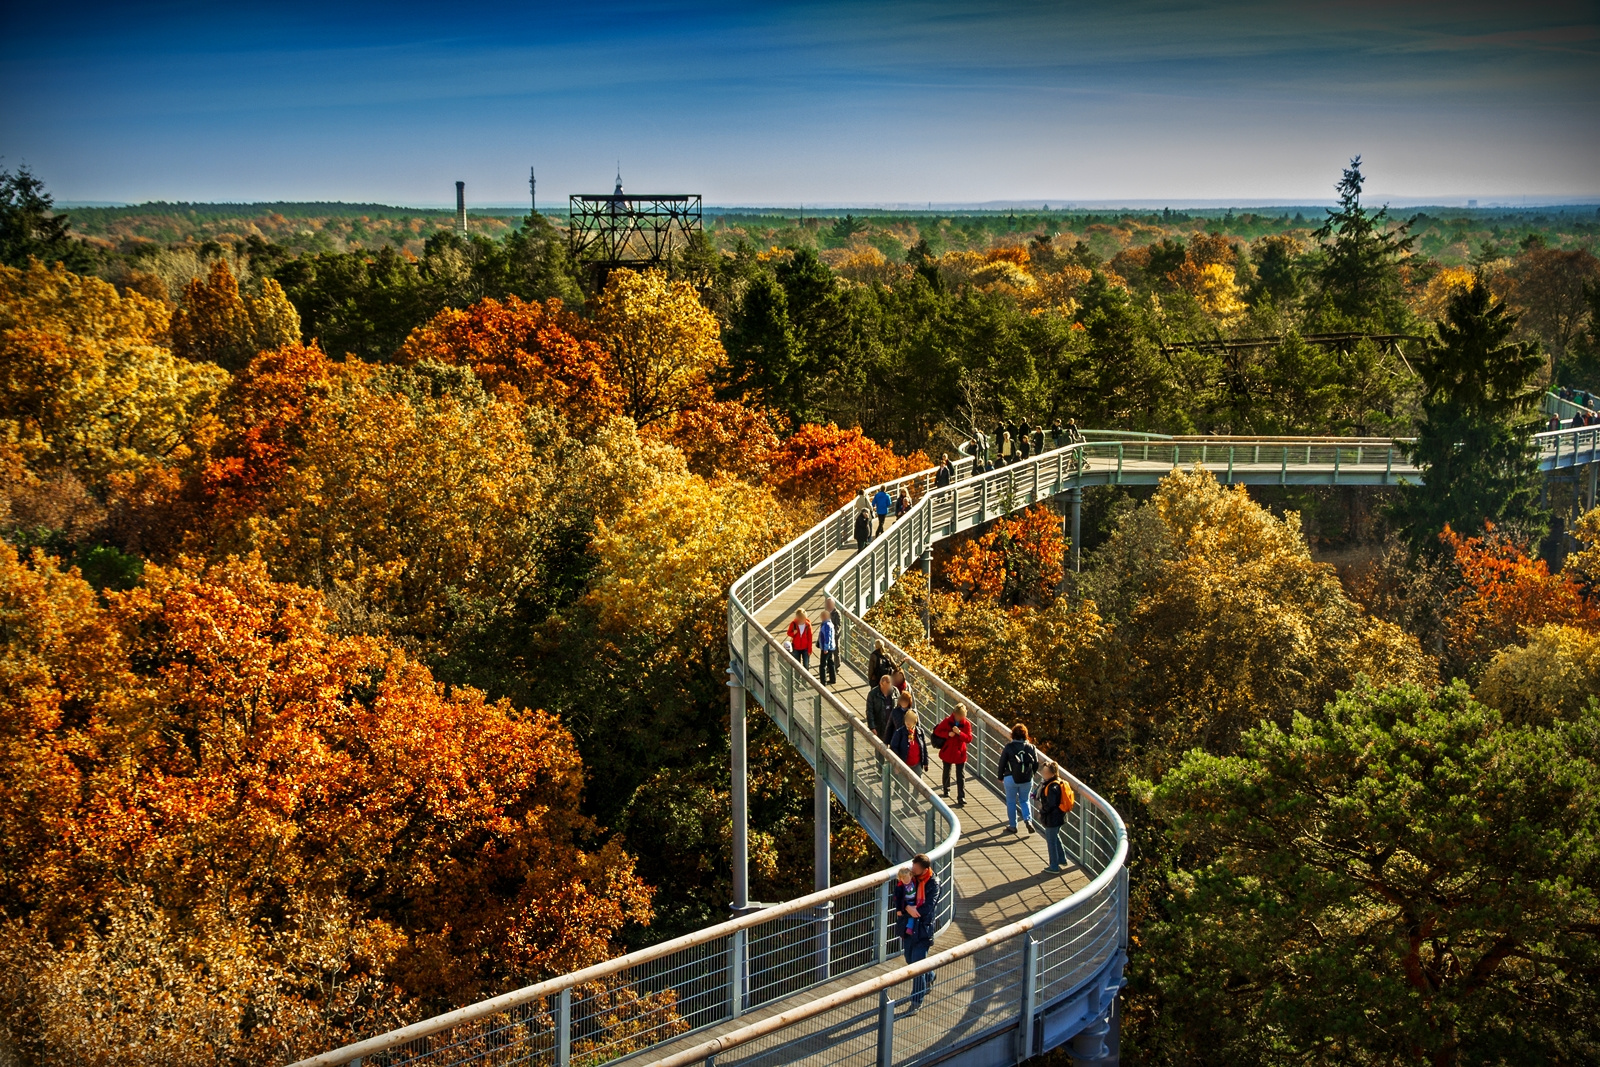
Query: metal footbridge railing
[812, 980]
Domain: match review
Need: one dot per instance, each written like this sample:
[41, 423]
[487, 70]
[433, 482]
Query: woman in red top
[800, 638]
[953, 736]
[911, 744]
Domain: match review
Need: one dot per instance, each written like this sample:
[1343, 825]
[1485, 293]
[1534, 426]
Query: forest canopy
[364, 600]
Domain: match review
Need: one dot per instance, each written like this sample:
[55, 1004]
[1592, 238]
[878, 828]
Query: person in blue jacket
[880, 504]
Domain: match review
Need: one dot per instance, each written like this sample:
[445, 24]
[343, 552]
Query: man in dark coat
[882, 703]
[863, 529]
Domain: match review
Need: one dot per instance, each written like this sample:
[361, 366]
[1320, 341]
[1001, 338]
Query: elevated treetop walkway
[1024, 962]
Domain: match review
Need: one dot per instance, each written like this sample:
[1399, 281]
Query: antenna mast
[533, 191]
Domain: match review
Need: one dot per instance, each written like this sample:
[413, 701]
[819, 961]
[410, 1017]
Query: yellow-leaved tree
[662, 343]
[87, 388]
[218, 324]
[1233, 622]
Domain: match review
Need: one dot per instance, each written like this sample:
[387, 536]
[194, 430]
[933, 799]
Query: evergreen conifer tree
[1479, 414]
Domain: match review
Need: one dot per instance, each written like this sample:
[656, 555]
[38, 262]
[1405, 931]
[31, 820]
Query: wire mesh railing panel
[966, 998]
[524, 1035]
[844, 1037]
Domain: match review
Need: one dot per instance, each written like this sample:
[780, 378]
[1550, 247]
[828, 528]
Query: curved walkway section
[1025, 963]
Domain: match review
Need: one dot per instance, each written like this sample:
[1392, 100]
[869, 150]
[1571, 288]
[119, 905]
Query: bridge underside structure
[1025, 961]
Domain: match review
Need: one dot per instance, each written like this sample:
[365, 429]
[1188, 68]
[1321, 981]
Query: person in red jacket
[953, 736]
[800, 638]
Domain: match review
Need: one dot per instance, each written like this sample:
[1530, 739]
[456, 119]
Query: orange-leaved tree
[722, 436]
[1018, 561]
[258, 836]
[541, 351]
[830, 465]
[1506, 595]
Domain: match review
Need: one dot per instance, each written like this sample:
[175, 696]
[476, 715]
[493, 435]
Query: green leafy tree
[1479, 396]
[1403, 879]
[358, 304]
[1358, 277]
[31, 228]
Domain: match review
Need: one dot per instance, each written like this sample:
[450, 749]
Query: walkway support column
[740, 774]
[821, 816]
[1075, 521]
[1594, 470]
[927, 600]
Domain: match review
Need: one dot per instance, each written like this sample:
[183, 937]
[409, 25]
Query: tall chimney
[461, 208]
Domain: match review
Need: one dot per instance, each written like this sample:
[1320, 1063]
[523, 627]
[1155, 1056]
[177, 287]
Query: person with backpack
[1018, 762]
[910, 744]
[827, 649]
[863, 530]
[800, 637]
[922, 909]
[1056, 799]
[953, 736]
[880, 504]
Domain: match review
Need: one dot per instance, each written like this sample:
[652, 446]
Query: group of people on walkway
[1578, 421]
[824, 637]
[1035, 785]
[1035, 790]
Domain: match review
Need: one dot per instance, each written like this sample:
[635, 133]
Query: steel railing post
[880, 947]
[564, 1028]
[885, 1030]
[736, 967]
[1030, 995]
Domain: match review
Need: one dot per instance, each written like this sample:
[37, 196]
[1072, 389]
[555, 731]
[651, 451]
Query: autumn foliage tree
[830, 465]
[662, 346]
[1506, 595]
[199, 771]
[1018, 561]
[216, 324]
[541, 351]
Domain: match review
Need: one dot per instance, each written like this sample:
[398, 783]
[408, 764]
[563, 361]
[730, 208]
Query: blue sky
[803, 102]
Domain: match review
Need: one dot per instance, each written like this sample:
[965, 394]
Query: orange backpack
[1067, 797]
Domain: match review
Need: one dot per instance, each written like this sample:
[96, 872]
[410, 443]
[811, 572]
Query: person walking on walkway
[946, 472]
[1018, 762]
[827, 649]
[863, 529]
[911, 744]
[1005, 446]
[900, 681]
[923, 910]
[800, 637]
[897, 715]
[879, 663]
[880, 504]
[953, 736]
[1055, 800]
[881, 704]
[902, 504]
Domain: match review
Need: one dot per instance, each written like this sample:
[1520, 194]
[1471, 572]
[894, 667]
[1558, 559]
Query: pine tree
[1358, 279]
[1478, 419]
